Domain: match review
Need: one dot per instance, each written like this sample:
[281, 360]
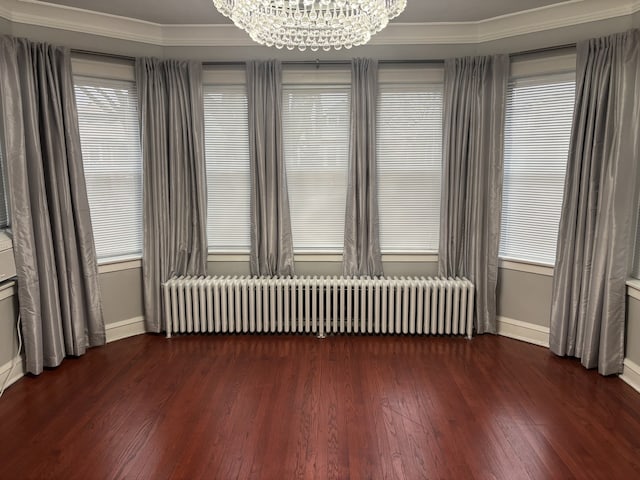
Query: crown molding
[566, 14]
[43, 14]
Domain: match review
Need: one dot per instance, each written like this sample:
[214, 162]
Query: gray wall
[121, 300]
[524, 296]
[392, 269]
[121, 295]
[555, 37]
[80, 41]
[521, 296]
[8, 338]
[633, 330]
[537, 40]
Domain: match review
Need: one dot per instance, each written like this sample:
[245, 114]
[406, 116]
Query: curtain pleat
[174, 182]
[55, 256]
[271, 239]
[474, 114]
[362, 227]
[594, 252]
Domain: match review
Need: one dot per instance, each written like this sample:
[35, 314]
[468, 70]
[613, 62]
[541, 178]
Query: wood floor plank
[295, 407]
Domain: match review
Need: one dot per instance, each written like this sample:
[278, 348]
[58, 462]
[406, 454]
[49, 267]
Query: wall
[80, 41]
[524, 297]
[121, 292]
[330, 267]
[631, 373]
[633, 329]
[122, 307]
[437, 50]
[559, 36]
[8, 337]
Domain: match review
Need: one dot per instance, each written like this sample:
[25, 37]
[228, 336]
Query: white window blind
[109, 133]
[409, 154]
[315, 123]
[537, 134]
[227, 161]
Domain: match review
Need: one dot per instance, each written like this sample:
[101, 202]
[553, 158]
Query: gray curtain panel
[53, 239]
[474, 114]
[174, 182]
[594, 251]
[361, 227]
[271, 240]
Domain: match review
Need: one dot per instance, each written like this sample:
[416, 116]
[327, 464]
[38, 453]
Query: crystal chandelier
[311, 24]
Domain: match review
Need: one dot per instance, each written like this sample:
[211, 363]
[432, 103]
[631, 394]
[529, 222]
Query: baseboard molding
[631, 374]
[18, 372]
[124, 329]
[523, 331]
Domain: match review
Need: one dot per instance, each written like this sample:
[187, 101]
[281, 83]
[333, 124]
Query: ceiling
[184, 12]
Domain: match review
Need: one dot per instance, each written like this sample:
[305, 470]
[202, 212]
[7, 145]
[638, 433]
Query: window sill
[527, 267]
[410, 257]
[633, 288]
[8, 289]
[329, 257]
[119, 264]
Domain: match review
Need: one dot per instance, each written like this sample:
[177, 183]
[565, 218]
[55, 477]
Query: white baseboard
[17, 374]
[124, 329]
[631, 374]
[526, 332]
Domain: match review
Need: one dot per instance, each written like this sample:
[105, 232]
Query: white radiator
[319, 305]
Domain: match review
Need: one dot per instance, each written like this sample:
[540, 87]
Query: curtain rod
[553, 48]
[230, 63]
[319, 62]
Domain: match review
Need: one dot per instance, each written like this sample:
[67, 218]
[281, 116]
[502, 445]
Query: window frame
[413, 76]
[223, 77]
[312, 77]
[532, 65]
[84, 66]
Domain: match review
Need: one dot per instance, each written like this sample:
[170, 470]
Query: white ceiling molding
[561, 15]
[573, 12]
[44, 14]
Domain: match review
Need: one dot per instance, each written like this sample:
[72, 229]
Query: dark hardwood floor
[262, 407]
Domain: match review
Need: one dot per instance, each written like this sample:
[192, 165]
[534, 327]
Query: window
[537, 134]
[409, 155]
[227, 162]
[109, 133]
[315, 125]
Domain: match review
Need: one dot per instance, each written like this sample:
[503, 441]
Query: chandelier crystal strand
[314, 24]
